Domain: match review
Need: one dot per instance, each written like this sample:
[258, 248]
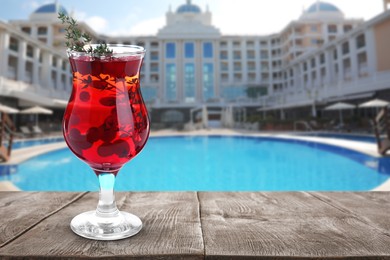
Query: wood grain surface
[171, 228]
[295, 224]
[198, 225]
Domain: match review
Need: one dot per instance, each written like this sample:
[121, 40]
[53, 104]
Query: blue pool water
[33, 142]
[214, 164]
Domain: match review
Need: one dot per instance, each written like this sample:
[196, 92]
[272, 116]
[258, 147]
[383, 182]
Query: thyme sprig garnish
[80, 41]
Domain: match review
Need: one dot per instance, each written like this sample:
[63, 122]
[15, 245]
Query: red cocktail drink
[106, 122]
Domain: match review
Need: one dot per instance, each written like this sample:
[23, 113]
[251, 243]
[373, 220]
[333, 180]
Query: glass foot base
[119, 226]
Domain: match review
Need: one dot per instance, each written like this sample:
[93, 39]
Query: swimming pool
[214, 163]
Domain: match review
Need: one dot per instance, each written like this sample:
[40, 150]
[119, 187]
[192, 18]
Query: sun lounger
[37, 130]
[25, 130]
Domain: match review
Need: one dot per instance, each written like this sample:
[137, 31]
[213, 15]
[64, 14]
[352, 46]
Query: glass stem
[107, 205]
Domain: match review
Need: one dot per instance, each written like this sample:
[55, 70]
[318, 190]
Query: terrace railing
[7, 130]
[382, 130]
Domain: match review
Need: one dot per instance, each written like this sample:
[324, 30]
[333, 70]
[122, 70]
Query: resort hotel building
[318, 59]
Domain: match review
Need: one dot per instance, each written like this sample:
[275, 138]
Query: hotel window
[236, 44]
[207, 50]
[360, 41]
[332, 28]
[26, 30]
[13, 44]
[28, 76]
[223, 55]
[154, 78]
[154, 55]
[347, 28]
[54, 79]
[251, 65]
[54, 61]
[313, 76]
[208, 81]
[237, 55]
[250, 54]
[189, 82]
[63, 65]
[347, 68]
[237, 66]
[264, 54]
[362, 64]
[42, 30]
[12, 67]
[313, 28]
[323, 74]
[322, 58]
[335, 54]
[250, 44]
[170, 90]
[313, 62]
[345, 48]
[304, 66]
[170, 50]
[140, 43]
[189, 50]
[154, 67]
[154, 44]
[29, 51]
[224, 66]
[63, 82]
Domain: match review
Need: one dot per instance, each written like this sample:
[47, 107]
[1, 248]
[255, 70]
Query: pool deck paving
[23, 154]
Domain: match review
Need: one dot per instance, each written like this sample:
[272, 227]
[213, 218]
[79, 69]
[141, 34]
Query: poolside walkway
[370, 149]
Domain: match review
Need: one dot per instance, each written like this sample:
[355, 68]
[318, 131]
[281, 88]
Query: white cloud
[149, 26]
[97, 23]
[146, 27]
[33, 4]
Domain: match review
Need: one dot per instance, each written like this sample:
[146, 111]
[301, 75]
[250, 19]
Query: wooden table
[197, 225]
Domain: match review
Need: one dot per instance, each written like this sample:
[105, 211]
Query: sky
[145, 17]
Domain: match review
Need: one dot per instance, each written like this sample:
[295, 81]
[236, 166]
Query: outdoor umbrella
[8, 110]
[376, 103]
[36, 110]
[340, 106]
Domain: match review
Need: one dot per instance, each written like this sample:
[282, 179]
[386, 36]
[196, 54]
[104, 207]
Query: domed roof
[322, 7]
[51, 8]
[188, 8]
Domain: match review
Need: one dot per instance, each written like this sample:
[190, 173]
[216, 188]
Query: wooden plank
[289, 224]
[171, 230]
[19, 211]
[373, 208]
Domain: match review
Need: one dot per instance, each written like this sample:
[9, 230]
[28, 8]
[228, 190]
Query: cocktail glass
[106, 125]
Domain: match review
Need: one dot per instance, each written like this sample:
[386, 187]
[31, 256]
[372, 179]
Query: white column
[179, 71]
[22, 60]
[371, 51]
[46, 70]
[50, 35]
[35, 72]
[4, 45]
[340, 63]
[353, 58]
